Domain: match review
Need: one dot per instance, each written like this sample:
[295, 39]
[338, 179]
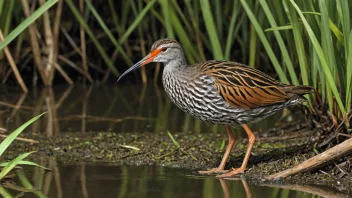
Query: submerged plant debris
[274, 151]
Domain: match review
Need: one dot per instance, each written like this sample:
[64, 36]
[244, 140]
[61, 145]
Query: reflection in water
[117, 108]
[136, 181]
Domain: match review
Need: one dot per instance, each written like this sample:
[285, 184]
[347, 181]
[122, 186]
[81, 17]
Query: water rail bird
[221, 92]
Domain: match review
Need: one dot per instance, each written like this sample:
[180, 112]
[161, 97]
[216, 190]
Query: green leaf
[281, 43]
[211, 30]
[165, 7]
[320, 53]
[108, 33]
[300, 48]
[265, 42]
[19, 29]
[173, 139]
[278, 28]
[137, 21]
[12, 164]
[24, 163]
[9, 139]
[91, 35]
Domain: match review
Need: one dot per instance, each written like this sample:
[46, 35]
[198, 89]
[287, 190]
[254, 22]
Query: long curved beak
[149, 58]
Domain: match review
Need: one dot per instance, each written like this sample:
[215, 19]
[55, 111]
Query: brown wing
[245, 87]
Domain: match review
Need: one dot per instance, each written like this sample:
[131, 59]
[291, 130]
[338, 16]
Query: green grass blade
[320, 53]
[24, 163]
[173, 139]
[165, 8]
[136, 21]
[336, 32]
[9, 139]
[7, 20]
[211, 30]
[1, 6]
[300, 48]
[27, 184]
[278, 28]
[185, 41]
[19, 29]
[4, 192]
[265, 42]
[328, 47]
[281, 43]
[231, 31]
[12, 164]
[91, 35]
[345, 22]
[349, 74]
[108, 33]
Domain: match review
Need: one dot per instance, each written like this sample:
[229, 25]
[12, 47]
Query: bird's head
[163, 50]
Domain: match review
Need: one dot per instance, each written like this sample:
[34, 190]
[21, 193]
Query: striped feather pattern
[222, 92]
[245, 87]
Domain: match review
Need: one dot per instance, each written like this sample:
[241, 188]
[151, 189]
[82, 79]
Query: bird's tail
[300, 89]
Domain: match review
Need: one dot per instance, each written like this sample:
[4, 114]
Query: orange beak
[149, 58]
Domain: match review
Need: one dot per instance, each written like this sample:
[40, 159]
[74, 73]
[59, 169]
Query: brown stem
[49, 43]
[35, 44]
[13, 66]
[329, 155]
[83, 45]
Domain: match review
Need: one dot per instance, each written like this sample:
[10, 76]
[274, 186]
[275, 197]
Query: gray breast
[198, 96]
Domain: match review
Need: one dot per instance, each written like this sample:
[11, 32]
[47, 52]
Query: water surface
[99, 108]
[138, 181]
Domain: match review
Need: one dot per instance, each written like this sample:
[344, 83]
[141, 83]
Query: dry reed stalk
[156, 73]
[63, 74]
[23, 107]
[71, 41]
[13, 66]
[84, 109]
[23, 65]
[63, 97]
[53, 108]
[35, 44]
[49, 44]
[83, 45]
[22, 139]
[56, 30]
[108, 72]
[37, 110]
[83, 180]
[48, 179]
[144, 53]
[73, 65]
[329, 155]
[18, 105]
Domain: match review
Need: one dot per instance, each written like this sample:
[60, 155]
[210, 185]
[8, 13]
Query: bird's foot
[234, 171]
[213, 170]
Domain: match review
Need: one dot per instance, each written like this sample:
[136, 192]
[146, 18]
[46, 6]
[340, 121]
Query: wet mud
[273, 151]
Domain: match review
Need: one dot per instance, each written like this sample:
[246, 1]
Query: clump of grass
[19, 160]
[303, 42]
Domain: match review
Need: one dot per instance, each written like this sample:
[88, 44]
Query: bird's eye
[163, 49]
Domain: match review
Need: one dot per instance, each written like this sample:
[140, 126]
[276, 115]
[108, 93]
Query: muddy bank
[274, 151]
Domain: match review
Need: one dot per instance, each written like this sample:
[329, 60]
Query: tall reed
[304, 42]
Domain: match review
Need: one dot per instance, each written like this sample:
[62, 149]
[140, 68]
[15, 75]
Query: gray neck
[175, 67]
